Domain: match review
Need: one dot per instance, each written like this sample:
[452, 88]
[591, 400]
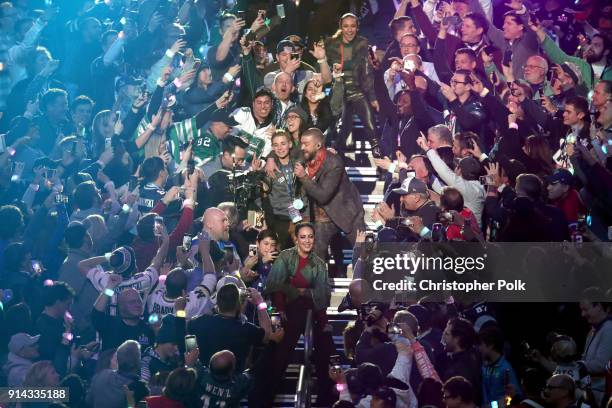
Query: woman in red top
[179, 392]
[297, 283]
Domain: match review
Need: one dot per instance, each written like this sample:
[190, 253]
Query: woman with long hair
[348, 53]
[283, 198]
[316, 105]
[538, 158]
[297, 283]
[297, 123]
[102, 131]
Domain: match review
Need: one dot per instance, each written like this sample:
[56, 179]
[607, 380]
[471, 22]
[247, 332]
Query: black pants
[280, 354]
[361, 107]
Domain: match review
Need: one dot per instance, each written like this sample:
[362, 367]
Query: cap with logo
[560, 176]
[411, 185]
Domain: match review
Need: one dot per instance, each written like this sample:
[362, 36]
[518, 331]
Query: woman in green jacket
[297, 283]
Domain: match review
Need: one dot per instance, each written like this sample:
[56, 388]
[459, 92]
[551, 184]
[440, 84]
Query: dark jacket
[465, 364]
[362, 68]
[332, 190]
[470, 115]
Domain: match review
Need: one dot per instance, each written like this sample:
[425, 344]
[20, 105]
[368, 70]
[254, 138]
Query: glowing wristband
[11, 151]
[262, 306]
[150, 126]
[181, 313]
[109, 292]
[340, 387]
[229, 77]
[322, 60]
[107, 256]
[177, 82]
[170, 53]
[34, 187]
[68, 336]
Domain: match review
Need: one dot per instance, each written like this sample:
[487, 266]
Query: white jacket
[472, 191]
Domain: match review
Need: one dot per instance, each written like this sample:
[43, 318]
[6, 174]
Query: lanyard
[341, 55]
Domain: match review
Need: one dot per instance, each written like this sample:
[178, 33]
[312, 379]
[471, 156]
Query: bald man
[359, 292]
[128, 325]
[560, 391]
[216, 225]
[221, 385]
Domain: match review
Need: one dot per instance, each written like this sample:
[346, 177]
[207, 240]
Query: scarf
[313, 166]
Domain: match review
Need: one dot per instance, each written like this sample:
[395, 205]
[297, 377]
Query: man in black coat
[335, 201]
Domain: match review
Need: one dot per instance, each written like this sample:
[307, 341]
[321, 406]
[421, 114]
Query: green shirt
[206, 145]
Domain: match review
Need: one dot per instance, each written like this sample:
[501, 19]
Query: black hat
[222, 115]
[167, 330]
[298, 110]
[123, 260]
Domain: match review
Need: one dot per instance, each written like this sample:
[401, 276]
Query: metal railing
[302, 392]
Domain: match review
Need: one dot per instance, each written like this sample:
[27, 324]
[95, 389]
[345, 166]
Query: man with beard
[335, 203]
[595, 59]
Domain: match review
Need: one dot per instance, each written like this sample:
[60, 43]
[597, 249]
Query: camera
[252, 250]
[190, 342]
[445, 217]
[275, 320]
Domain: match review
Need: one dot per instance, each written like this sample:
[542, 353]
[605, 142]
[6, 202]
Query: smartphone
[2, 143]
[335, 363]
[252, 218]
[252, 250]
[451, 20]
[295, 55]
[50, 174]
[186, 243]
[409, 65]
[241, 14]
[36, 268]
[159, 222]
[190, 342]
[280, 10]
[436, 231]
[275, 320]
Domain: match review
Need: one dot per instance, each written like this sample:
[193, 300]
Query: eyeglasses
[532, 66]
[453, 82]
[292, 117]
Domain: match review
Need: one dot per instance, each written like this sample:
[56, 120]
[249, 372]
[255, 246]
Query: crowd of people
[174, 186]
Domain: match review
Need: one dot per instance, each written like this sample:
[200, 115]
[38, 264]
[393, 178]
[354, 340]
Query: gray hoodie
[16, 369]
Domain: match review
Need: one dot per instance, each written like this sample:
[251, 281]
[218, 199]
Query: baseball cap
[123, 260]
[126, 80]
[296, 40]
[411, 185]
[222, 115]
[20, 340]
[560, 176]
[167, 330]
[285, 46]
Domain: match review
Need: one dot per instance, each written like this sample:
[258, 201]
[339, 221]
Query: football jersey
[198, 300]
[217, 394]
[143, 282]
